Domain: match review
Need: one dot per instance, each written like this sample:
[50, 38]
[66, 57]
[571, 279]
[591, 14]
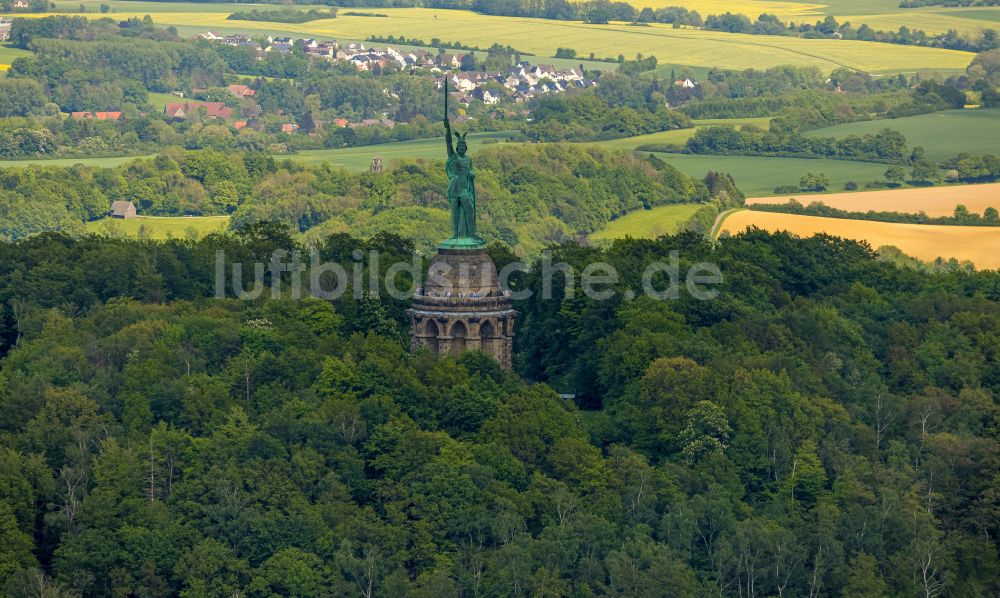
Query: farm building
[122, 209]
[5, 26]
[182, 110]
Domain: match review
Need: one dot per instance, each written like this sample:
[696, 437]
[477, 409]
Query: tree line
[283, 15]
[961, 217]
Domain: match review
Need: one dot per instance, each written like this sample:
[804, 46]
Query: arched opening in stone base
[432, 332]
[459, 335]
[487, 335]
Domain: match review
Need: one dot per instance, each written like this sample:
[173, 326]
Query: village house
[95, 115]
[450, 60]
[210, 36]
[181, 111]
[686, 83]
[122, 209]
[241, 91]
[5, 26]
[326, 49]
[485, 96]
[279, 45]
[236, 39]
[463, 81]
[20, 4]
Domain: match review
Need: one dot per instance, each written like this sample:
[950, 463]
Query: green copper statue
[461, 188]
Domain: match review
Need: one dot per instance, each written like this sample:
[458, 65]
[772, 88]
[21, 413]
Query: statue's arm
[447, 137]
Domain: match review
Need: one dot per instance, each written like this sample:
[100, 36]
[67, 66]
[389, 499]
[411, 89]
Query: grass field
[679, 136]
[8, 54]
[160, 227]
[978, 244]
[942, 134]
[677, 46]
[102, 162]
[648, 224]
[360, 158]
[159, 100]
[759, 176]
[933, 201]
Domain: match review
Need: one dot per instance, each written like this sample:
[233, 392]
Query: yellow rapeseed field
[542, 37]
[933, 201]
[980, 245]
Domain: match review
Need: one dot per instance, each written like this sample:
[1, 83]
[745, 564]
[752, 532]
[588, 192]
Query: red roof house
[182, 110]
[241, 91]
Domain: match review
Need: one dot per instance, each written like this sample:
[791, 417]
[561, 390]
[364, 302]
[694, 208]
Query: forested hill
[827, 426]
[530, 195]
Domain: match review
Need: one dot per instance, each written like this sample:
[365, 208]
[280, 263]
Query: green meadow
[159, 227]
[101, 162]
[8, 54]
[941, 134]
[360, 158]
[757, 177]
[648, 224]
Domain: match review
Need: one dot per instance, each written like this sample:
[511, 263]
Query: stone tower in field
[462, 307]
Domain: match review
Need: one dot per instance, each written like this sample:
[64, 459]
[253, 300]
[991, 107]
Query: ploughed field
[542, 37]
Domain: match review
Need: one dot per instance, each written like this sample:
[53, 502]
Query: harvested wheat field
[977, 244]
[933, 201]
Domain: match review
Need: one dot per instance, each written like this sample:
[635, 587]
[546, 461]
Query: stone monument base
[462, 307]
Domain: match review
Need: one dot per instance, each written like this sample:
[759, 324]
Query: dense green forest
[826, 426]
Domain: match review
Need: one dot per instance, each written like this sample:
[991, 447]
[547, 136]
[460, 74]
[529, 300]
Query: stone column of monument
[461, 306]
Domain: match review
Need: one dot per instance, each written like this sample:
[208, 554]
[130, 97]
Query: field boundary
[713, 234]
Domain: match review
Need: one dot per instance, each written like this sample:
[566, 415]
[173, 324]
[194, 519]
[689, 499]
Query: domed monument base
[462, 307]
